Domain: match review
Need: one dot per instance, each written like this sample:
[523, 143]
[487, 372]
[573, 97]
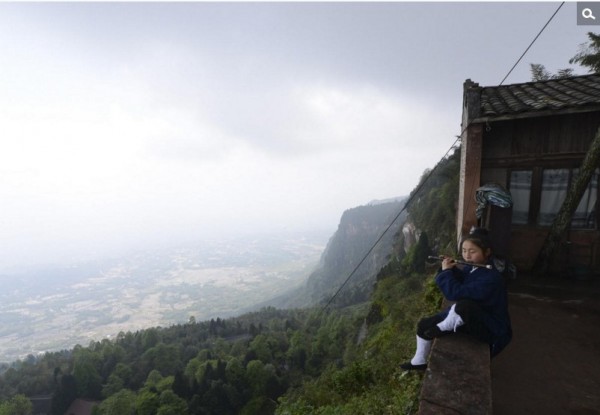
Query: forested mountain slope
[358, 231]
[335, 360]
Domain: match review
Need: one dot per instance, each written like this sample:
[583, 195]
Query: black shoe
[410, 366]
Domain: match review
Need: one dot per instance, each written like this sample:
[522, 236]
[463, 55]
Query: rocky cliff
[358, 231]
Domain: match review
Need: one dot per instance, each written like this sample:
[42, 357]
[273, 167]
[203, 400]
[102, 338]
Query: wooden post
[562, 221]
[470, 159]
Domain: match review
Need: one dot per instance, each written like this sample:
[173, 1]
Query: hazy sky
[124, 124]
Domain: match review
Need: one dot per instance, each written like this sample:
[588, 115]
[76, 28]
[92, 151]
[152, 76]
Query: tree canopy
[587, 56]
[589, 53]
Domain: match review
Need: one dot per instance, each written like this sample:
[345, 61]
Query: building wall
[542, 141]
[538, 143]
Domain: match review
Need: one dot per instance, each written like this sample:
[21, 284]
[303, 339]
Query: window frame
[535, 195]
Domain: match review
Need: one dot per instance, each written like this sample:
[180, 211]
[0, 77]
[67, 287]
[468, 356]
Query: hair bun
[481, 232]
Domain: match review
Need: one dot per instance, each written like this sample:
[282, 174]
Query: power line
[428, 176]
[532, 42]
[410, 199]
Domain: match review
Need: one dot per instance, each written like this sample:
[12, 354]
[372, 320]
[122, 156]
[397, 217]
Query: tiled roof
[81, 407]
[574, 93]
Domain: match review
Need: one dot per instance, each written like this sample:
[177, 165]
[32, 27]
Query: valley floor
[552, 365]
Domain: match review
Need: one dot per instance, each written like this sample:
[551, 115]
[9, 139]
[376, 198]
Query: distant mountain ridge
[389, 200]
[357, 232]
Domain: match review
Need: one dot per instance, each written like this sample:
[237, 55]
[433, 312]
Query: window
[520, 190]
[555, 184]
[585, 215]
[550, 190]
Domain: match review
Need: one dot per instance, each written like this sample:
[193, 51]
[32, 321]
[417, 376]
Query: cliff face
[432, 211]
[358, 231]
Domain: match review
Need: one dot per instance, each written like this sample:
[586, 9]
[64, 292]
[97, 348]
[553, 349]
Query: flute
[441, 258]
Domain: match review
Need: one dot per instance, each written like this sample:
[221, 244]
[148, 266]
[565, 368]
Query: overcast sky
[124, 124]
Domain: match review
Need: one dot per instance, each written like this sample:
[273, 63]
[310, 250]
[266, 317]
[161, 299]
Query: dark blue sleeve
[457, 285]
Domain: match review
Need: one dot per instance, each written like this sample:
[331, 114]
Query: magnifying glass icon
[587, 14]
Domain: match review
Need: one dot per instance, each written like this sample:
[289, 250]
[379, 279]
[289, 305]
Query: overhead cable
[428, 176]
[532, 42]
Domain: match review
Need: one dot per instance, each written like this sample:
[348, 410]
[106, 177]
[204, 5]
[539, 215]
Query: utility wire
[410, 199]
[428, 176]
[532, 42]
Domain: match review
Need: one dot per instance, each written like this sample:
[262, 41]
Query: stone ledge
[458, 378]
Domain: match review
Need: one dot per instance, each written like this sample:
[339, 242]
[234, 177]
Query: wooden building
[81, 407]
[530, 139]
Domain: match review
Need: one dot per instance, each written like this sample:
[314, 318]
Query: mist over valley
[56, 308]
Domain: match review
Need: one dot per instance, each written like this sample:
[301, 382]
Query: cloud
[128, 123]
[120, 156]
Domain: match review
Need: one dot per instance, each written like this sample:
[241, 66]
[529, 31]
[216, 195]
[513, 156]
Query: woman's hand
[448, 263]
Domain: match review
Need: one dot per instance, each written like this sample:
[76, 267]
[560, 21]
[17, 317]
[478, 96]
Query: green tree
[113, 385]
[121, 403]
[111, 354]
[540, 73]
[257, 373]
[589, 53]
[587, 56]
[86, 371]
[414, 261]
[171, 404]
[262, 347]
[433, 208]
[89, 382]
[124, 372]
[259, 405]
[64, 395]
[296, 354]
[222, 399]
[150, 338]
[153, 380]
[17, 405]
[164, 358]
[146, 403]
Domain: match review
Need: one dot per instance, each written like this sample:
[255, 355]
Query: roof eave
[532, 114]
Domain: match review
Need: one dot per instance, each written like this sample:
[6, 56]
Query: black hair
[479, 237]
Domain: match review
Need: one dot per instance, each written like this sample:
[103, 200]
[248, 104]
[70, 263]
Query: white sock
[422, 352]
[452, 322]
